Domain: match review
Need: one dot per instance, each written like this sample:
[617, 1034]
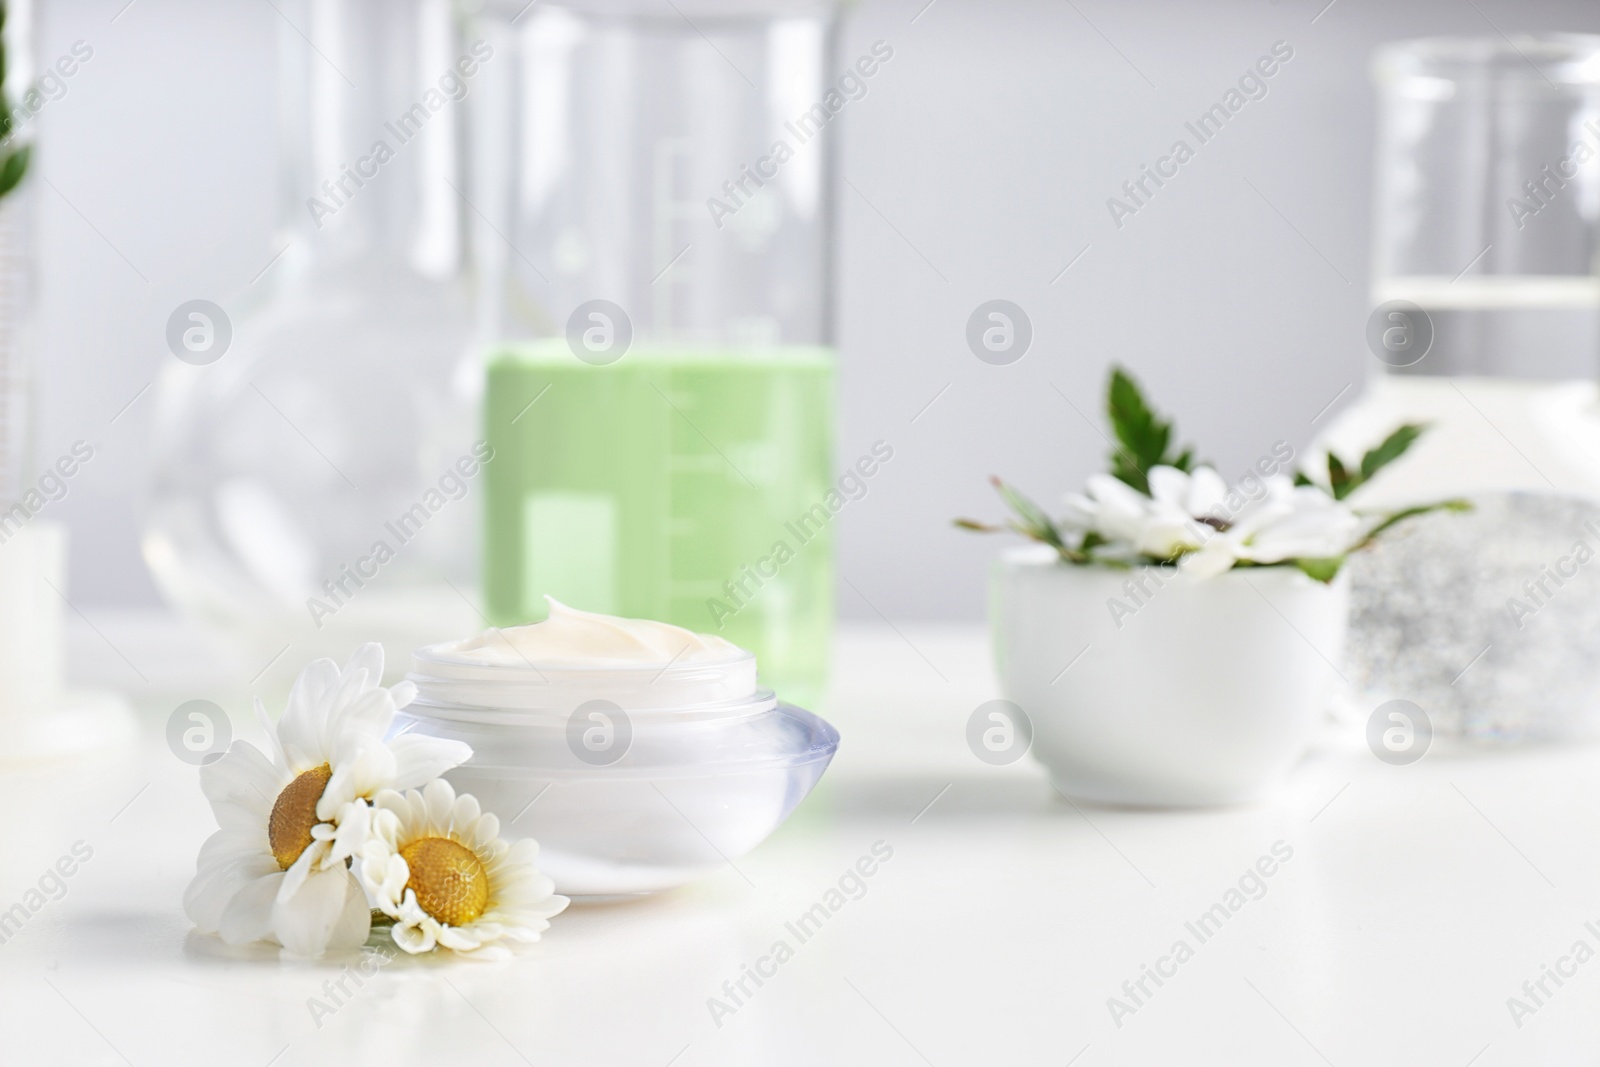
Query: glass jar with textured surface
[1486, 327]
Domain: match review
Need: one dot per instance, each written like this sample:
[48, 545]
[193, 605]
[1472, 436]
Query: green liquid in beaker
[677, 484]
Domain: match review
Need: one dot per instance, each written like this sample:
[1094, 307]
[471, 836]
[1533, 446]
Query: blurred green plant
[1342, 480]
[14, 160]
[1145, 438]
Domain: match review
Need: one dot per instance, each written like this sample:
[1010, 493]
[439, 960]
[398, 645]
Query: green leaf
[1137, 430]
[1301, 479]
[1343, 481]
[1142, 436]
[1032, 514]
[15, 164]
[1323, 570]
[1035, 525]
[13, 168]
[1394, 446]
[1408, 513]
[1339, 479]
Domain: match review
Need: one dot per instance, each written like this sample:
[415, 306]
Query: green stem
[1410, 513]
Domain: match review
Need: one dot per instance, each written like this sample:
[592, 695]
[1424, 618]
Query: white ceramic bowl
[1194, 692]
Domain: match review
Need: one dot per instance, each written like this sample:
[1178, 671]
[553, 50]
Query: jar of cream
[639, 755]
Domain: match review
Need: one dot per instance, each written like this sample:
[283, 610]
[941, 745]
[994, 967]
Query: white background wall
[980, 162]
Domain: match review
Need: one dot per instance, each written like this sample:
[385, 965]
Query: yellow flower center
[448, 878]
[294, 814]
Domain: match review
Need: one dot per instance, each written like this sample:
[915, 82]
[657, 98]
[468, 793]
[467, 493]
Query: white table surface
[1418, 899]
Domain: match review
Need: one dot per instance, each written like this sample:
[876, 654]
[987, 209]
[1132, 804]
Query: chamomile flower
[292, 819]
[436, 864]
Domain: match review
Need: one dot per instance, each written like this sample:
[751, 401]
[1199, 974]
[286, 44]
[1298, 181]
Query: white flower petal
[464, 815]
[226, 866]
[1217, 556]
[440, 798]
[369, 712]
[419, 759]
[362, 766]
[413, 939]
[395, 877]
[308, 923]
[240, 818]
[244, 776]
[1258, 518]
[300, 727]
[1168, 485]
[227, 846]
[1301, 522]
[248, 915]
[1165, 539]
[355, 924]
[1108, 489]
[268, 727]
[367, 658]
[302, 868]
[392, 801]
[354, 827]
[461, 939]
[1207, 491]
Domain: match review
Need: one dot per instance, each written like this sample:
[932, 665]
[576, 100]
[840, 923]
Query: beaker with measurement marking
[654, 217]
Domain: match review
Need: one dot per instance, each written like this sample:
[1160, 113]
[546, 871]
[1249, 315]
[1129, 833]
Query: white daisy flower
[1289, 522]
[436, 864]
[1170, 520]
[1184, 516]
[278, 868]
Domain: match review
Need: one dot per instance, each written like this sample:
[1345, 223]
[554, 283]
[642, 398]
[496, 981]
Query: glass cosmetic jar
[633, 778]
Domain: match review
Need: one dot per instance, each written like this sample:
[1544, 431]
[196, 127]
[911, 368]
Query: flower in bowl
[1158, 505]
[1173, 644]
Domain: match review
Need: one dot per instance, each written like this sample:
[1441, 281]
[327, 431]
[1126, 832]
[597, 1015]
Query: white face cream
[642, 742]
[573, 638]
[574, 656]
